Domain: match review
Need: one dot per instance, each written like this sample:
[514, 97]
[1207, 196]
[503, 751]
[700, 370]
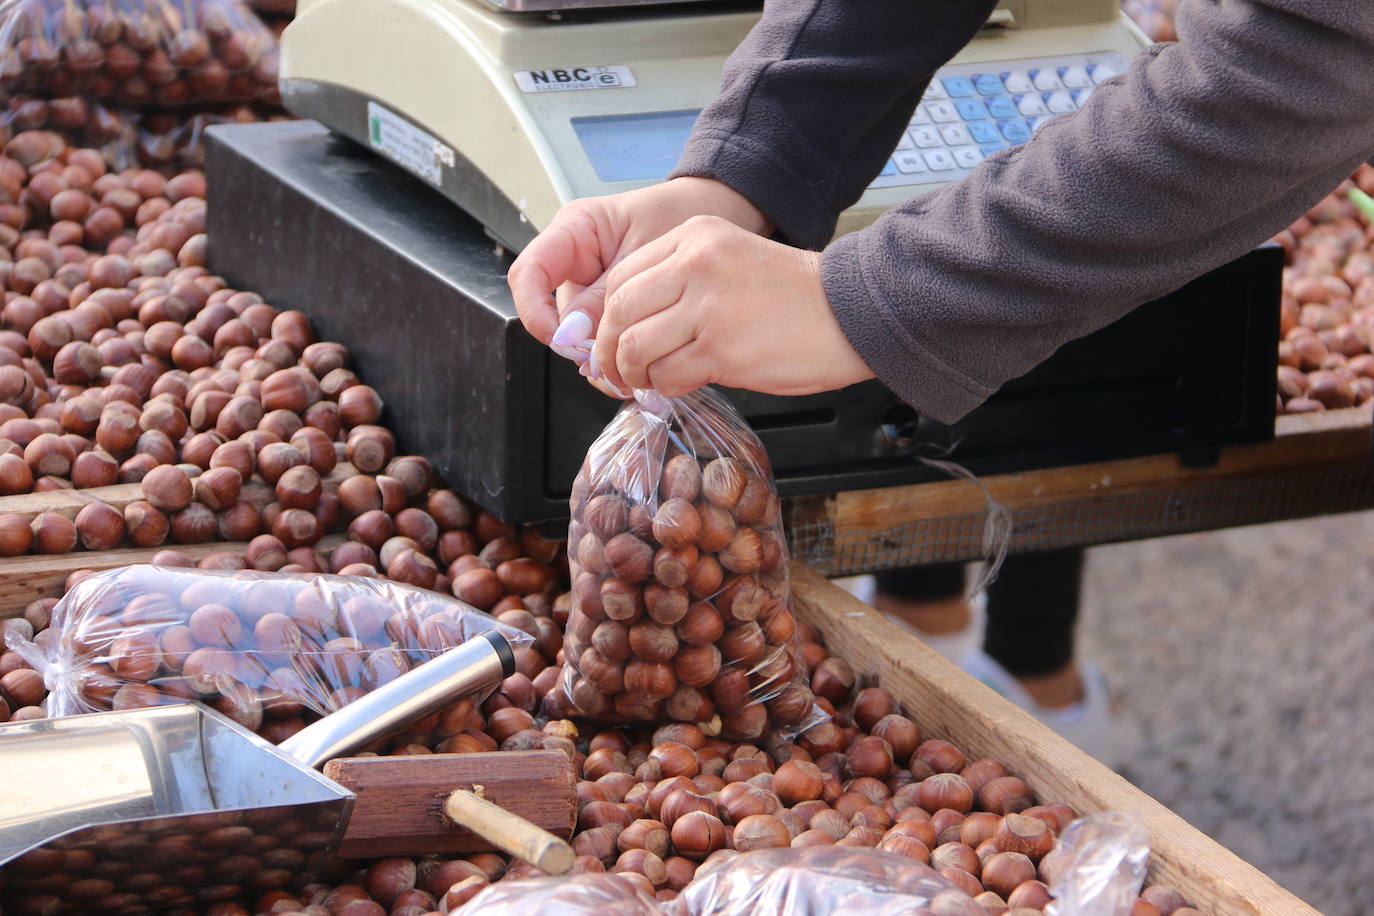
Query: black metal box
[383, 264]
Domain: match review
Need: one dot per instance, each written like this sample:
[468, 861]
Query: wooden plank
[947, 703]
[1301, 441]
[26, 579]
[70, 502]
[400, 806]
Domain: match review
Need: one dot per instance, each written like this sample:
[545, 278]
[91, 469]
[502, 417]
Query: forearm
[1201, 151]
[814, 100]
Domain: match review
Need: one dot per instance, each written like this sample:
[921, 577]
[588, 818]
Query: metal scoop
[154, 809]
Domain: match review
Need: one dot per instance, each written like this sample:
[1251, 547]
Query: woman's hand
[587, 236]
[709, 302]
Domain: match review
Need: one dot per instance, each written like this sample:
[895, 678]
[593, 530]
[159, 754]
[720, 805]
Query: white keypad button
[1100, 72]
[921, 116]
[935, 91]
[1018, 81]
[955, 134]
[941, 112]
[905, 142]
[1038, 123]
[1047, 80]
[939, 160]
[1060, 102]
[925, 137]
[1080, 96]
[909, 162]
[1030, 105]
[1076, 77]
[967, 156]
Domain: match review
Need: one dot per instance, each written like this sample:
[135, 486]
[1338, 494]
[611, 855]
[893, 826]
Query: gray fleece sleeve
[814, 99]
[1202, 150]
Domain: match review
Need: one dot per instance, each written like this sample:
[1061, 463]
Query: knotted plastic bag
[270, 650]
[679, 572]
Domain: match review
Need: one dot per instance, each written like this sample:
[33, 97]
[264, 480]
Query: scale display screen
[637, 147]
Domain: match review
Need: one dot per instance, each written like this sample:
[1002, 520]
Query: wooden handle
[508, 831]
[399, 810]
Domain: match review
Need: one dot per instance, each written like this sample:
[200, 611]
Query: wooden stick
[26, 579]
[508, 831]
[947, 703]
[118, 496]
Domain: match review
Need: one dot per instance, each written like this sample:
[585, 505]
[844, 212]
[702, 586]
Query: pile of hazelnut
[211, 388]
[1327, 317]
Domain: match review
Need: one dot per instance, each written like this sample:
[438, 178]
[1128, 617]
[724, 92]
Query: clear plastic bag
[1098, 865]
[679, 570]
[819, 881]
[138, 52]
[270, 650]
[84, 123]
[578, 895]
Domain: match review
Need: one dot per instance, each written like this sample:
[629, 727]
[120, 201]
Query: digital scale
[512, 108]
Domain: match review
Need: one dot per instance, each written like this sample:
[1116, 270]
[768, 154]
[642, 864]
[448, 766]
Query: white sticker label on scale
[409, 146]
[570, 78]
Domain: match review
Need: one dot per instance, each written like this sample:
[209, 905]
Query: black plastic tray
[415, 289]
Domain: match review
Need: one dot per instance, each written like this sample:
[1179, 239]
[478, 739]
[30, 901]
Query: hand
[587, 236]
[711, 303]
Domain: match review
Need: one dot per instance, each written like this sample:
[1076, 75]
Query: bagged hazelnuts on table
[138, 52]
[272, 651]
[679, 577]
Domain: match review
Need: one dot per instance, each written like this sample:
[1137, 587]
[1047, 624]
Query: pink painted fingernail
[575, 328]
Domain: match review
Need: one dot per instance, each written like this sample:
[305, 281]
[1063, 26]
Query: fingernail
[583, 371]
[594, 367]
[574, 328]
[571, 353]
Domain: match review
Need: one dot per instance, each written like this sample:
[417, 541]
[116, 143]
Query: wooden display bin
[947, 703]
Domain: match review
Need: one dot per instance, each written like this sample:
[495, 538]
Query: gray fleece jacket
[1204, 149]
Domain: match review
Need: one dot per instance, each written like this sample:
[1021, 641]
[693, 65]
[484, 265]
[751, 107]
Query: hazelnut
[146, 525]
[722, 482]
[697, 834]
[276, 458]
[1005, 871]
[15, 535]
[369, 448]
[292, 389]
[299, 487]
[630, 558]
[676, 524]
[359, 404]
[1029, 836]
[605, 516]
[218, 488]
[239, 522]
[167, 488]
[194, 524]
[902, 736]
[1006, 795]
[761, 831]
[100, 526]
[49, 454]
[53, 533]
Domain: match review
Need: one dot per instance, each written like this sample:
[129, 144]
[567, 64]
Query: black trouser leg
[1032, 608]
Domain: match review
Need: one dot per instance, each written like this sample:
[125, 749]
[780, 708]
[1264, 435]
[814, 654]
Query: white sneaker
[953, 646]
[1087, 723]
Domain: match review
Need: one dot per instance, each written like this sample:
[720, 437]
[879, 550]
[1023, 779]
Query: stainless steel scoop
[171, 806]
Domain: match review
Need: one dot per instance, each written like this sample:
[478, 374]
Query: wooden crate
[1317, 463]
[947, 703]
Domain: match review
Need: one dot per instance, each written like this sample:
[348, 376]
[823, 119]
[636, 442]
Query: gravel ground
[1242, 664]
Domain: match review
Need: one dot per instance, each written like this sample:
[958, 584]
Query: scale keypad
[971, 111]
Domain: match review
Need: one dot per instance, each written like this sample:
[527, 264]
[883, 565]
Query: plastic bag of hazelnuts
[273, 651]
[679, 572]
[138, 52]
